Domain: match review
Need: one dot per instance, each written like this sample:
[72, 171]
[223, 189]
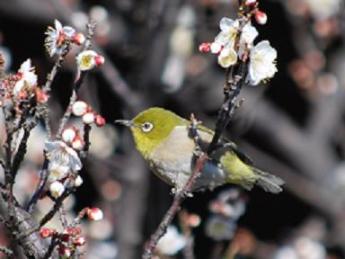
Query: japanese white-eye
[163, 139]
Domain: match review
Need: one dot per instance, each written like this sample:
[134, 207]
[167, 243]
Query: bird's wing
[224, 145]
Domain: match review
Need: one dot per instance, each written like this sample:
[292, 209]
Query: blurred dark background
[292, 126]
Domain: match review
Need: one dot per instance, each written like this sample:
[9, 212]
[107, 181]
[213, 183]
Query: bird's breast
[173, 161]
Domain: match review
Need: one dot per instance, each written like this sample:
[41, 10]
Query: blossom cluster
[59, 37]
[58, 40]
[70, 238]
[21, 87]
[63, 155]
[24, 103]
[235, 42]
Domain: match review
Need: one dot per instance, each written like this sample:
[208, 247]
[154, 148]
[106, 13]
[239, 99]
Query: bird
[163, 139]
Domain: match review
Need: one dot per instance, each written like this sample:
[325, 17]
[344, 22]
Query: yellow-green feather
[237, 171]
[163, 122]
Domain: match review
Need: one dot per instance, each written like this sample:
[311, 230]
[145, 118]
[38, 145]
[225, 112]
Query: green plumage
[162, 138]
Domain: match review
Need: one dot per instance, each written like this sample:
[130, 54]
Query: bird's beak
[126, 123]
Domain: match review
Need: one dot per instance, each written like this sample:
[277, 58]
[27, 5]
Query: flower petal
[249, 33]
[58, 25]
[225, 23]
[227, 57]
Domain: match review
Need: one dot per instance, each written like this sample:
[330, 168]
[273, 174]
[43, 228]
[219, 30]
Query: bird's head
[151, 127]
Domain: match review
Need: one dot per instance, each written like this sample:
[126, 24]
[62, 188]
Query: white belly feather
[177, 153]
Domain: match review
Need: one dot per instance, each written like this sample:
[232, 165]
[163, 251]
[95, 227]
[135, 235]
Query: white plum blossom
[229, 30]
[68, 135]
[89, 118]
[56, 38]
[248, 35]
[88, 59]
[58, 152]
[227, 57]
[56, 189]
[28, 78]
[57, 171]
[78, 181]
[224, 43]
[262, 62]
[172, 242]
[79, 108]
[322, 9]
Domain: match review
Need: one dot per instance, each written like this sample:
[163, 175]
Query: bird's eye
[147, 126]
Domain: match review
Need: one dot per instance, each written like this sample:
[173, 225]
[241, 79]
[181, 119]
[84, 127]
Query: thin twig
[57, 205]
[51, 247]
[40, 186]
[47, 87]
[175, 206]
[18, 158]
[67, 113]
[87, 130]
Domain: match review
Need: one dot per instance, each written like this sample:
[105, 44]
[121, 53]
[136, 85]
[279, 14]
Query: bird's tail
[268, 182]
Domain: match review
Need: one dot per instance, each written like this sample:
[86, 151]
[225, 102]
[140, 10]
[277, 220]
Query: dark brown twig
[175, 206]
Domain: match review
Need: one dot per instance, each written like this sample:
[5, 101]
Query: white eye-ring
[147, 127]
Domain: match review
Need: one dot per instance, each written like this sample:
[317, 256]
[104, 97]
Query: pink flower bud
[78, 181]
[80, 241]
[89, 118]
[250, 2]
[41, 96]
[99, 60]
[95, 214]
[260, 17]
[78, 38]
[78, 143]
[46, 232]
[100, 121]
[205, 47]
[65, 251]
[56, 189]
[193, 220]
[73, 231]
[79, 108]
[68, 135]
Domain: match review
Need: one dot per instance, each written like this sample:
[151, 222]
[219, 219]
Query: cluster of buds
[72, 137]
[88, 115]
[59, 37]
[68, 241]
[252, 7]
[64, 165]
[22, 87]
[236, 42]
[58, 40]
